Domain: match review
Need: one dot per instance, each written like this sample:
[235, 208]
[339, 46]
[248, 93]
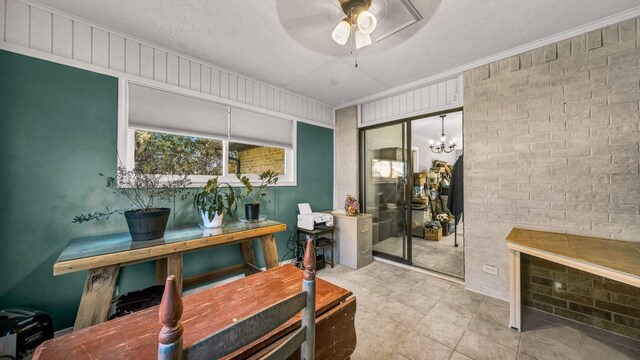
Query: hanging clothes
[455, 203]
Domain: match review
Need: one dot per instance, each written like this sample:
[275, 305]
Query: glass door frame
[409, 182]
[406, 154]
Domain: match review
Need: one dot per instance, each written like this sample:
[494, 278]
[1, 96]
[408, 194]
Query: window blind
[254, 128]
[164, 111]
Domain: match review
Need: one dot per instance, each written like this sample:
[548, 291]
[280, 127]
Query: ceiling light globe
[341, 32]
[362, 40]
[366, 22]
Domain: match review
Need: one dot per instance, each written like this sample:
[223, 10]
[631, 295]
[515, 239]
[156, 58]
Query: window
[254, 159]
[165, 132]
[161, 153]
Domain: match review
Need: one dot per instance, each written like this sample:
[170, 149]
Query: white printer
[309, 220]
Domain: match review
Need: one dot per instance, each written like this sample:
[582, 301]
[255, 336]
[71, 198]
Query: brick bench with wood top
[614, 259]
[215, 311]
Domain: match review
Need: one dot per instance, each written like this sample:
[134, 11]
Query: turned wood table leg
[270, 251]
[96, 296]
[248, 255]
[174, 267]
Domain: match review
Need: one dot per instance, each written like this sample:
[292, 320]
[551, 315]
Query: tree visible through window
[161, 153]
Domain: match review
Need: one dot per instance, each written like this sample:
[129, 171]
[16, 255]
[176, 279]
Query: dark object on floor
[135, 301]
[449, 227]
[22, 330]
[320, 262]
[433, 225]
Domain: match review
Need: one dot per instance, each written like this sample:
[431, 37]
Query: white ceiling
[287, 42]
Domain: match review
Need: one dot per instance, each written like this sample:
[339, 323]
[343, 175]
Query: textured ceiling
[286, 42]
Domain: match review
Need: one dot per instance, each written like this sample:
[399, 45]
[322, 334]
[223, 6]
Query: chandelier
[358, 17]
[440, 146]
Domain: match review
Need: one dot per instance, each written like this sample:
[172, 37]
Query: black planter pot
[147, 225]
[252, 212]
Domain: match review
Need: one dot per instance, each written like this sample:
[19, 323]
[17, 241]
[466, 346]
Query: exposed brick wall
[580, 296]
[551, 143]
[258, 159]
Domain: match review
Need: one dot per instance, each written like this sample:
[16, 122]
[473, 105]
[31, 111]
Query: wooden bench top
[616, 259]
[136, 336]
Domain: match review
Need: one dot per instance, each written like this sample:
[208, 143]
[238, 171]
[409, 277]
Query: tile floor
[406, 315]
[440, 256]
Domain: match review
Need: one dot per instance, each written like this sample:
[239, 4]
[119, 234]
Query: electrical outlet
[454, 97]
[490, 269]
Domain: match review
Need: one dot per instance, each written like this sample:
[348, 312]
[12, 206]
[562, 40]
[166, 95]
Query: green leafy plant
[256, 193]
[145, 191]
[211, 198]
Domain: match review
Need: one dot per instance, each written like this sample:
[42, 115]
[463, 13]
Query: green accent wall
[58, 127]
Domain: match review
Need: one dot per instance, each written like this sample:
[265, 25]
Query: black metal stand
[315, 235]
[455, 231]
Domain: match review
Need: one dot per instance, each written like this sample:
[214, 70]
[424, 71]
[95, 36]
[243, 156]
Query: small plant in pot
[146, 218]
[253, 194]
[212, 203]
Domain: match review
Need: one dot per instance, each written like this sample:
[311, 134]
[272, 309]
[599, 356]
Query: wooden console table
[613, 259]
[103, 256]
[135, 336]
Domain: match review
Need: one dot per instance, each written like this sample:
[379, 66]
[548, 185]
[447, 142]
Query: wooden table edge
[583, 265]
[160, 251]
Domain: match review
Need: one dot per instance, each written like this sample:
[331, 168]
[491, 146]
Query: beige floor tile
[547, 348]
[494, 310]
[498, 333]
[480, 348]
[406, 315]
[523, 356]
[416, 346]
[402, 314]
[377, 335]
[457, 356]
[443, 325]
[596, 349]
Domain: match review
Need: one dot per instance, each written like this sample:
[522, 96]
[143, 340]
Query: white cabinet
[354, 239]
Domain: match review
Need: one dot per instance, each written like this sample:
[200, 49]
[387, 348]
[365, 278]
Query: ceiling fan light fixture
[341, 32]
[362, 39]
[366, 22]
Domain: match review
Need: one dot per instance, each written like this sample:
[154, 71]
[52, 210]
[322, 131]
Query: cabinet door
[365, 242]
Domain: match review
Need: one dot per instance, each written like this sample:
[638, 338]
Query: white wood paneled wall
[443, 95]
[35, 30]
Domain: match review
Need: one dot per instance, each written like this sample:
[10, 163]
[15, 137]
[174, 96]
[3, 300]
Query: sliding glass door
[384, 187]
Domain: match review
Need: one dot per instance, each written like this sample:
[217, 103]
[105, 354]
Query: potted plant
[146, 218]
[254, 194]
[212, 203]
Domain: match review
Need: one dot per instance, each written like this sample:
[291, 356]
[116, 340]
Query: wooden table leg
[270, 251]
[515, 320]
[248, 255]
[161, 271]
[96, 296]
[174, 267]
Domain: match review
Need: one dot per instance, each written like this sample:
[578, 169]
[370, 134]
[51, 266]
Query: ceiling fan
[358, 17]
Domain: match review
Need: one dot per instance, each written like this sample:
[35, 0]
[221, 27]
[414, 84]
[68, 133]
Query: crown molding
[453, 72]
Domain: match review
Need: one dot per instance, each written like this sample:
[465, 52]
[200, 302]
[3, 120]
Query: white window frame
[126, 137]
